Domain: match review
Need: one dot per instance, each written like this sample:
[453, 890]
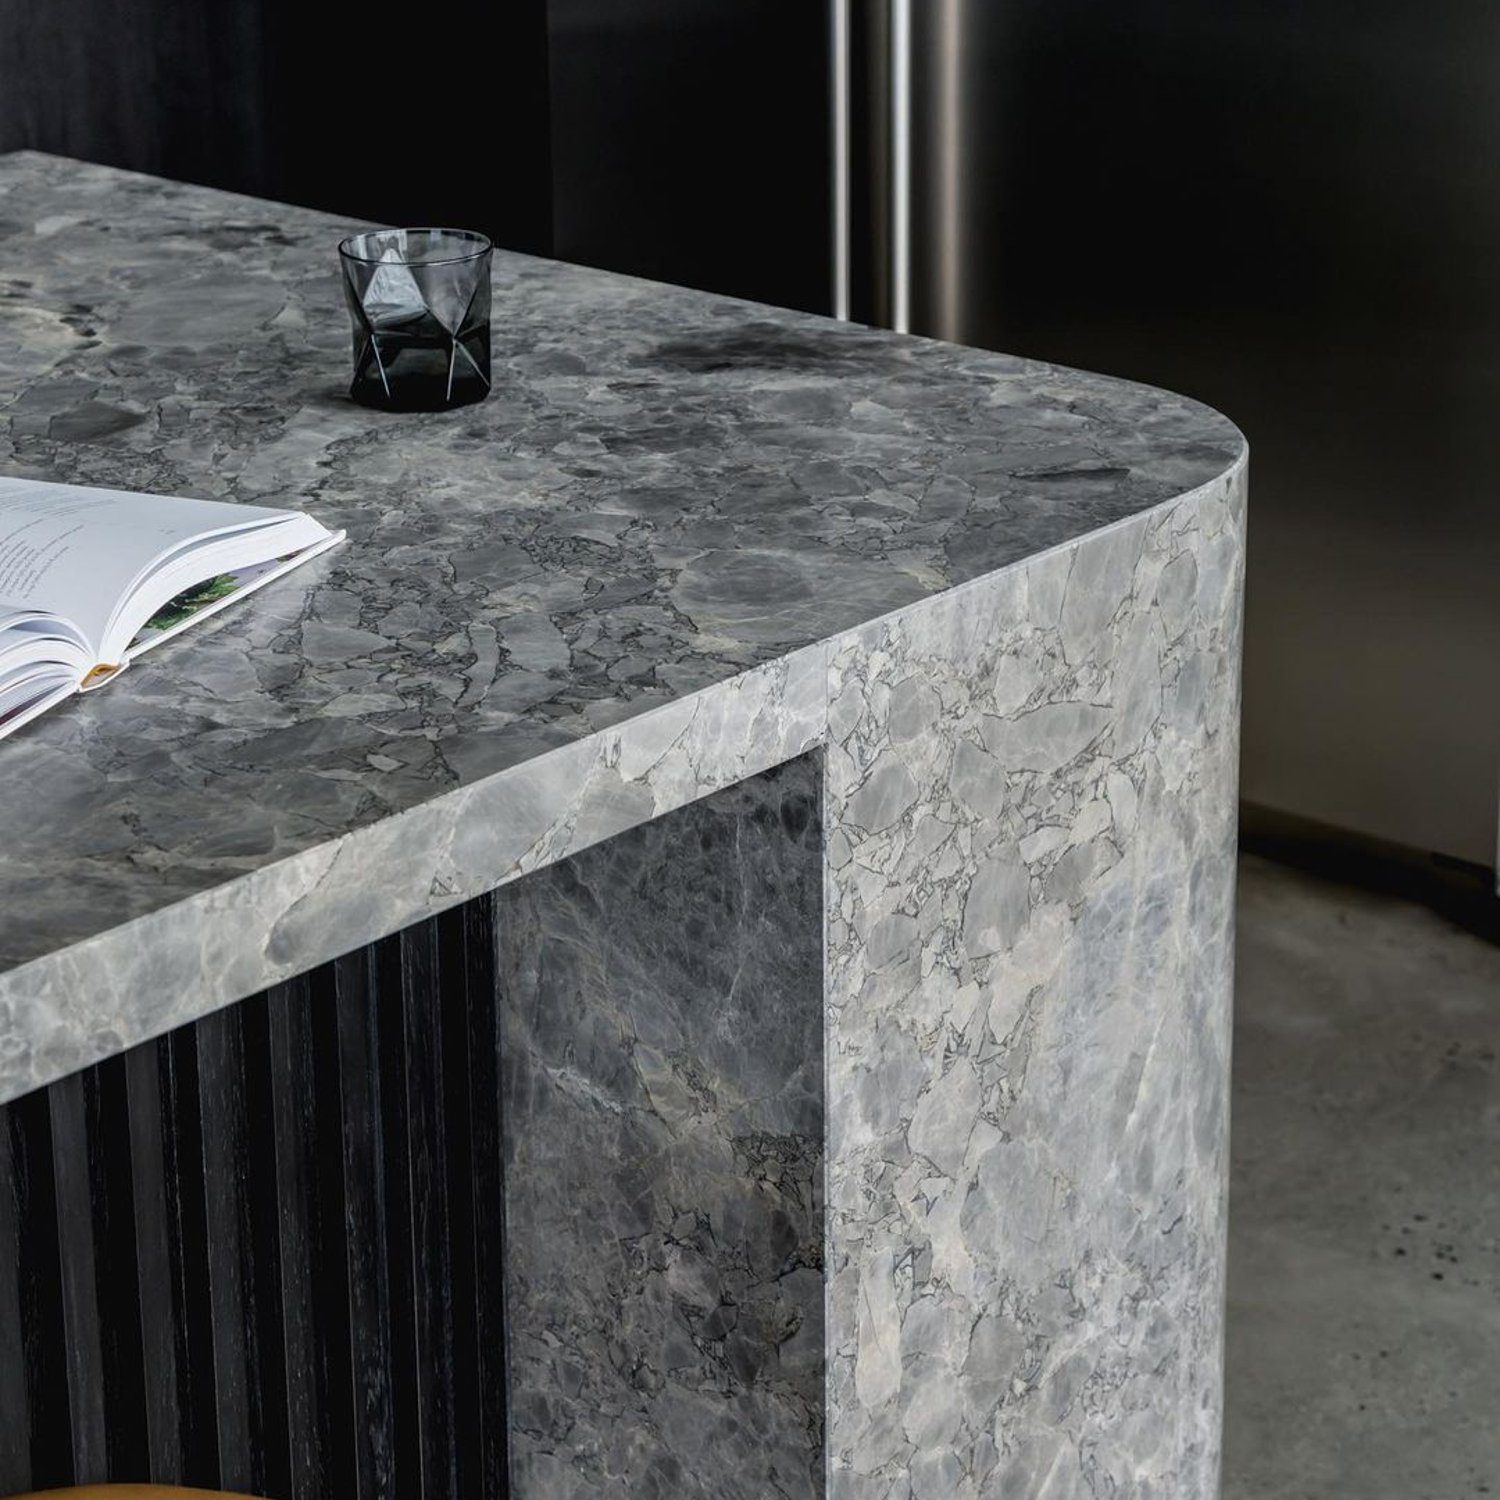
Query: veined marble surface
[661, 1013]
[1030, 805]
[605, 590]
[687, 540]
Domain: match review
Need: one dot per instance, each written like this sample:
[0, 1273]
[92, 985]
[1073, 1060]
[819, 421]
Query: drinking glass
[419, 302]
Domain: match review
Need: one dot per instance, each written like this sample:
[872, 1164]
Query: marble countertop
[669, 501]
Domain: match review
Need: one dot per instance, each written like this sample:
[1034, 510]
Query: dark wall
[159, 86]
[691, 143]
[334, 108]
[668, 138]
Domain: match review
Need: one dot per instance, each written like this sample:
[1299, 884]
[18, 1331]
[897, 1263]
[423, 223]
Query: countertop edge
[187, 960]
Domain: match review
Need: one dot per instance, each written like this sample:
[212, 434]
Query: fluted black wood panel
[36, 1329]
[263, 1253]
[15, 1439]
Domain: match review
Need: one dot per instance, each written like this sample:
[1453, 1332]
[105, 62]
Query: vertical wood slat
[221, 1110]
[15, 1435]
[422, 965]
[260, 1260]
[293, 1123]
[153, 1255]
[332, 1297]
[192, 1323]
[82, 1351]
[117, 1278]
[39, 1288]
[388, 1037]
[371, 1468]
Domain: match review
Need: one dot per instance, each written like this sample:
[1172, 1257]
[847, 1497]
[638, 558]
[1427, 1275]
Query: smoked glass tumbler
[419, 302]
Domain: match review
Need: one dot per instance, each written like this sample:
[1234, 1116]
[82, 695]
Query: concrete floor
[1364, 1268]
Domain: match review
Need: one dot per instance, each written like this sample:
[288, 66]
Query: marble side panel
[661, 1020]
[1030, 821]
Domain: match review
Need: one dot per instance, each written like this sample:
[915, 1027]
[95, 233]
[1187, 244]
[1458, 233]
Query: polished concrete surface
[1364, 1268]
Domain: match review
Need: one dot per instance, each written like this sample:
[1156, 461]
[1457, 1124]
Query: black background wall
[690, 143]
[662, 137]
[435, 112]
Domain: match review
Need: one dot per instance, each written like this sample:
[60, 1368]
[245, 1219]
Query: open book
[89, 579]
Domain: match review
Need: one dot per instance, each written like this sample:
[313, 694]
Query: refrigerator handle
[871, 98]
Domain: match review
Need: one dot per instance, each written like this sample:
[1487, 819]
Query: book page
[78, 552]
[215, 592]
[20, 703]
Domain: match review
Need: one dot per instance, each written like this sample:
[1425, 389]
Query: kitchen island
[704, 928]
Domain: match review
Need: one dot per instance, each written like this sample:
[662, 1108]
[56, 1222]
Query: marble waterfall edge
[686, 541]
[1031, 839]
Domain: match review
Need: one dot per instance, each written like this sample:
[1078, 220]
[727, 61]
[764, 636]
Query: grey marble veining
[1030, 881]
[685, 541]
[1028, 862]
[607, 589]
[661, 1010]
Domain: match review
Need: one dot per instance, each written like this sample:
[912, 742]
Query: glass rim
[481, 242]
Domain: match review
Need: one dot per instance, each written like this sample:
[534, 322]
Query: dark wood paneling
[263, 1252]
[46, 1419]
[82, 1352]
[153, 1265]
[340, 110]
[15, 1445]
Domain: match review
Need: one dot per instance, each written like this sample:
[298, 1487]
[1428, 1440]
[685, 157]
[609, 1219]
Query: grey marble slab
[667, 491]
[1030, 815]
[661, 1010]
[685, 541]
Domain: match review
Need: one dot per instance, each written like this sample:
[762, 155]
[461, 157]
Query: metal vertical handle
[882, 50]
[839, 51]
[900, 165]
